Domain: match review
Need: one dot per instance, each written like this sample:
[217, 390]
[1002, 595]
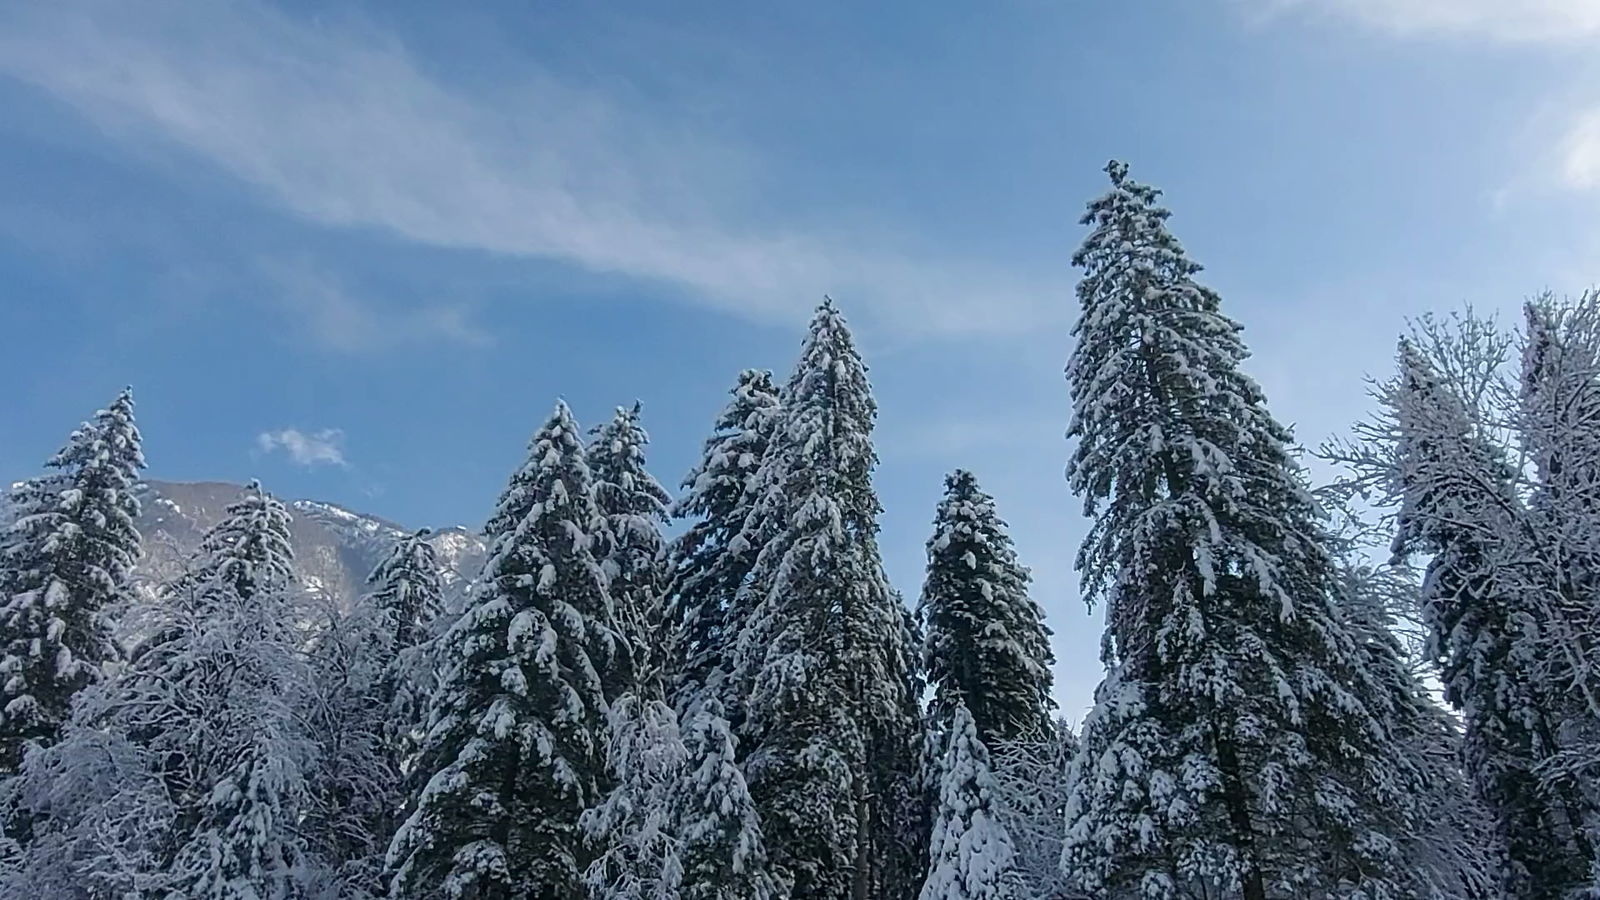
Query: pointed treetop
[616, 458]
[405, 586]
[560, 435]
[1118, 171]
[249, 550]
[986, 646]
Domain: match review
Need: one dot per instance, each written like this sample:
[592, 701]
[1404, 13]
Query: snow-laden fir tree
[184, 775]
[985, 645]
[408, 599]
[724, 853]
[514, 751]
[826, 649]
[635, 557]
[972, 857]
[1459, 507]
[65, 559]
[638, 854]
[712, 559]
[1231, 751]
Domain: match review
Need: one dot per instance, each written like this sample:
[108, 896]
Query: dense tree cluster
[750, 711]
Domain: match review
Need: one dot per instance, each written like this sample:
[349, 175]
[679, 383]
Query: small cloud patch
[309, 449]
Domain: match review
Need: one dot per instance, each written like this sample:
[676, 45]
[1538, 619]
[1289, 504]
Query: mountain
[334, 548]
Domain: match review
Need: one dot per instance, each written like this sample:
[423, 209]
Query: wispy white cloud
[1580, 151]
[309, 449]
[1497, 20]
[340, 319]
[339, 125]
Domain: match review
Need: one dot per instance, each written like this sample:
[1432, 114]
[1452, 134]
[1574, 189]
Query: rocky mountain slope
[334, 548]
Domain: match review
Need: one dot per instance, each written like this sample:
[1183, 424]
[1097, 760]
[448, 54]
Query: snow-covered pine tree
[408, 597]
[638, 854]
[986, 645]
[822, 651]
[65, 559]
[1460, 508]
[972, 857]
[513, 754]
[712, 559]
[635, 556]
[1229, 752]
[724, 852]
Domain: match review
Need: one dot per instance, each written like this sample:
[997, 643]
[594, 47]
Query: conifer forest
[1379, 684]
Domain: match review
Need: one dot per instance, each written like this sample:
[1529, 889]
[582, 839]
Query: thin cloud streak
[1508, 21]
[340, 127]
[1580, 151]
[340, 320]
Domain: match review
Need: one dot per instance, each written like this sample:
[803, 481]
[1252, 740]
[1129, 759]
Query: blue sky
[356, 250]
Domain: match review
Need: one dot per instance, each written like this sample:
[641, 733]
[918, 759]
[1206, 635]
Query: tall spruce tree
[986, 645]
[972, 855]
[825, 651]
[65, 560]
[724, 852]
[514, 751]
[1460, 508]
[408, 599]
[1231, 751]
[713, 557]
[635, 557]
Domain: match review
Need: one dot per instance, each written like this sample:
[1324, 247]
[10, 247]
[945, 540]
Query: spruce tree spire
[1235, 701]
[986, 645]
[406, 586]
[822, 653]
[514, 755]
[712, 558]
[635, 507]
[65, 561]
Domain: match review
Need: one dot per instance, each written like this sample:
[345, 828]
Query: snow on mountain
[335, 548]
